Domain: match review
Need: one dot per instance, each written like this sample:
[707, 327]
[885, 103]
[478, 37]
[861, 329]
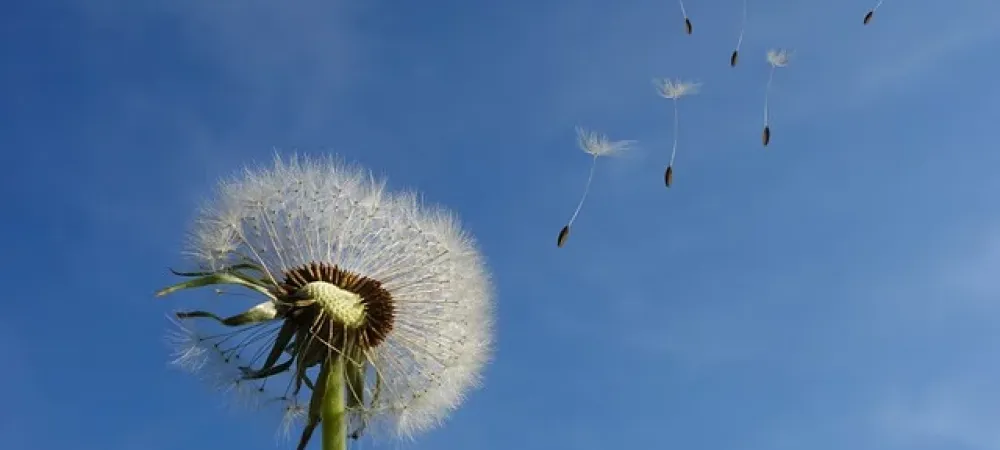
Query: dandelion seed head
[778, 57]
[353, 268]
[674, 89]
[597, 144]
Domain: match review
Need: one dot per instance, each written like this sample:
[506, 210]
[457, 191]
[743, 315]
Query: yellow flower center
[343, 306]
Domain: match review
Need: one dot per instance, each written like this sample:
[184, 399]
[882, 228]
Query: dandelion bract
[776, 58]
[673, 90]
[595, 145]
[380, 306]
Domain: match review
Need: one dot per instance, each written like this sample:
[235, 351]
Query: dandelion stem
[333, 413]
[586, 190]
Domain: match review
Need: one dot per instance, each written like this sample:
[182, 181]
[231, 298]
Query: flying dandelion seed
[871, 12]
[595, 145]
[673, 90]
[687, 20]
[378, 305]
[734, 58]
[776, 58]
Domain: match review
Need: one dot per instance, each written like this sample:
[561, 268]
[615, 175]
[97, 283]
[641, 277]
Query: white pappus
[386, 298]
[596, 145]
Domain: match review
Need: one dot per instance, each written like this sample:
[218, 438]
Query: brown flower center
[372, 312]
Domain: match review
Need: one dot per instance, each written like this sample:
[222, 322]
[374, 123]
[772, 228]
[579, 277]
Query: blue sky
[837, 290]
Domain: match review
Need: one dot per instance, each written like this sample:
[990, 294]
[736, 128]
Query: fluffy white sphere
[322, 211]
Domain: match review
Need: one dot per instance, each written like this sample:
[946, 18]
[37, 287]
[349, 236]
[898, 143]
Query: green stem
[333, 413]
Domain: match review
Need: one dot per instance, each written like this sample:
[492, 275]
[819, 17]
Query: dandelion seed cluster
[673, 90]
[392, 290]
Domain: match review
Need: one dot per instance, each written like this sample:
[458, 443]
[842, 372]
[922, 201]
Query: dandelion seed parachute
[673, 90]
[387, 299]
[734, 58]
[776, 58]
[595, 145]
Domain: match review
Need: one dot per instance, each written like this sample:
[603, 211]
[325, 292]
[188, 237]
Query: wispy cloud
[960, 412]
[22, 396]
[975, 277]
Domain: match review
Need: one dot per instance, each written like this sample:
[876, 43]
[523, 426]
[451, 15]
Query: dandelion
[734, 58]
[687, 20]
[595, 145]
[776, 58]
[673, 90]
[378, 305]
[871, 12]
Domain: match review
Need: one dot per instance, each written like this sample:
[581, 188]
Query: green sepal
[300, 363]
[232, 268]
[218, 278]
[316, 404]
[364, 415]
[235, 269]
[354, 373]
[377, 390]
[250, 374]
[309, 384]
[280, 344]
[354, 377]
[260, 313]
